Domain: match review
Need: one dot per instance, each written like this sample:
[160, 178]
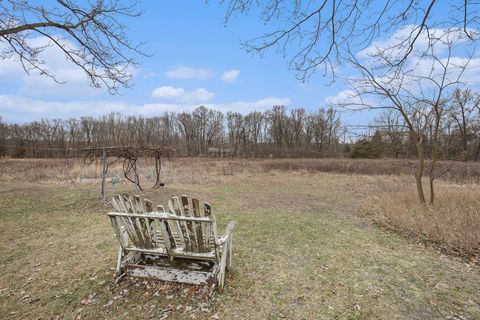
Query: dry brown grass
[453, 222]
[177, 170]
[460, 172]
[34, 170]
[299, 250]
[199, 169]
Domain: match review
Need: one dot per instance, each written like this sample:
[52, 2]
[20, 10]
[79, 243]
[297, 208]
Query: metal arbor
[129, 156]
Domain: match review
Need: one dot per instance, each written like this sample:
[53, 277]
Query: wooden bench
[178, 243]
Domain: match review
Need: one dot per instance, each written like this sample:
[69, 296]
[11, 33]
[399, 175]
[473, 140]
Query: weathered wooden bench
[179, 243]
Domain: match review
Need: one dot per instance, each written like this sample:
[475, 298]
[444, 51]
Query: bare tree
[278, 122]
[392, 124]
[416, 91]
[188, 128]
[254, 122]
[461, 110]
[90, 34]
[236, 131]
[333, 125]
[313, 34]
[167, 127]
[210, 124]
[297, 122]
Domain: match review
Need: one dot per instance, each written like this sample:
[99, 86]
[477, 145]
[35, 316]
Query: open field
[34, 170]
[300, 250]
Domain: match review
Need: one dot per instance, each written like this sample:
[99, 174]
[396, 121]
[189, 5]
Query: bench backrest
[181, 229]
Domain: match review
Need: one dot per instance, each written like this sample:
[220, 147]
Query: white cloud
[74, 83]
[188, 73]
[230, 76]
[397, 44]
[198, 95]
[421, 80]
[10, 68]
[169, 93]
[434, 69]
[341, 97]
[71, 80]
[421, 72]
[421, 77]
[21, 109]
[247, 106]
[149, 74]
[348, 99]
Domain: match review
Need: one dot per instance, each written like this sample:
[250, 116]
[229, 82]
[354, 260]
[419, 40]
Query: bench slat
[185, 231]
[163, 216]
[207, 211]
[191, 225]
[178, 224]
[200, 227]
[167, 274]
[177, 253]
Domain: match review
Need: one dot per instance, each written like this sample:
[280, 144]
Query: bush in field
[368, 148]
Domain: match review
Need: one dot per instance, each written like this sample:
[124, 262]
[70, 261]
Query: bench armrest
[227, 235]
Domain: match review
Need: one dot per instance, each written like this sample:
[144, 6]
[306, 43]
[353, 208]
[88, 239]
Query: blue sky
[192, 51]
[183, 36]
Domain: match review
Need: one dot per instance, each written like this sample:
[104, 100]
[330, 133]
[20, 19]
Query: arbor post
[104, 175]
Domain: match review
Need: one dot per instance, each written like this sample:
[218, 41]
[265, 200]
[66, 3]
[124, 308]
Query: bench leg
[229, 252]
[121, 254]
[222, 267]
[124, 259]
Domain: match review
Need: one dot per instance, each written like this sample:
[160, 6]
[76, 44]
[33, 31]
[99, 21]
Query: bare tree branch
[91, 35]
[313, 34]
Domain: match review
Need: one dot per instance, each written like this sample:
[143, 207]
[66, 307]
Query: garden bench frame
[179, 244]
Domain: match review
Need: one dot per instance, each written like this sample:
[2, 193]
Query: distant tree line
[277, 132]
[456, 124]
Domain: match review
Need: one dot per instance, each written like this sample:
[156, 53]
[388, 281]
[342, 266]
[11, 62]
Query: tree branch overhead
[92, 36]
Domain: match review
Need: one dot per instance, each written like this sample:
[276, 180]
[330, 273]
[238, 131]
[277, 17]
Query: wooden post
[137, 180]
[158, 168]
[104, 175]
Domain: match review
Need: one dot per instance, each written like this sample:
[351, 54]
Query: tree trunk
[432, 191]
[420, 169]
[477, 156]
[158, 168]
[431, 176]
[433, 156]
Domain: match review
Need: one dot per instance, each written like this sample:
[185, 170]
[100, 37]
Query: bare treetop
[91, 34]
[317, 34]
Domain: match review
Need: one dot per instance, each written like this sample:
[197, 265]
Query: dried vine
[129, 155]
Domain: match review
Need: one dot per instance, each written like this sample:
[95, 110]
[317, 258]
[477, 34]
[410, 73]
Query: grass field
[300, 252]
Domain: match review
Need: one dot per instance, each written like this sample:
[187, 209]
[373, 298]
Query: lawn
[300, 252]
